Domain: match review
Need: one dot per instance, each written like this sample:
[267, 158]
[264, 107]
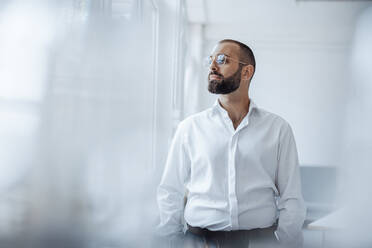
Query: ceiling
[262, 19]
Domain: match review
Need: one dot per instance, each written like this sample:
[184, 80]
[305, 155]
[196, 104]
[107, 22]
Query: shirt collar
[219, 109]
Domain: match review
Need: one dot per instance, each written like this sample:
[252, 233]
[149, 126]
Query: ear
[248, 71]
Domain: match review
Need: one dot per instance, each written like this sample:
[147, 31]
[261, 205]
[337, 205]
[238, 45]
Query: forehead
[227, 48]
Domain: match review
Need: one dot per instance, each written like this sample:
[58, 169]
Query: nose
[213, 66]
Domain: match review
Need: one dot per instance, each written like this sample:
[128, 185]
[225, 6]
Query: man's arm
[171, 190]
[292, 210]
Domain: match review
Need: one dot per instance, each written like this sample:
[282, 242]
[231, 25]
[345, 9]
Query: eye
[221, 58]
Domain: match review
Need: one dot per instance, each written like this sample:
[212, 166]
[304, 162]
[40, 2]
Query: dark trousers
[254, 238]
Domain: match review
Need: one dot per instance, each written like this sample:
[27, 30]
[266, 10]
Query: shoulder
[196, 118]
[281, 127]
[269, 117]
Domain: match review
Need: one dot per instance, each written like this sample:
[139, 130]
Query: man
[236, 164]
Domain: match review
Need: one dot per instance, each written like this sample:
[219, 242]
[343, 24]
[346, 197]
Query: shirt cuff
[276, 236]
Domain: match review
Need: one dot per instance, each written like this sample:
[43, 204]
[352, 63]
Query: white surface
[331, 221]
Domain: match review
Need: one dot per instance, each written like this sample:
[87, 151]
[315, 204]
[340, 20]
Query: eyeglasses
[220, 59]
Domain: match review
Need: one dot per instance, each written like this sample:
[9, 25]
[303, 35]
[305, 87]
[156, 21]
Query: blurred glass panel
[77, 108]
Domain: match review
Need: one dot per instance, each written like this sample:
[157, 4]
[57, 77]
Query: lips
[214, 77]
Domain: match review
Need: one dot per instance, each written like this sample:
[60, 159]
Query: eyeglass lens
[220, 59]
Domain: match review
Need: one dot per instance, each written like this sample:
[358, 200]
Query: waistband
[204, 232]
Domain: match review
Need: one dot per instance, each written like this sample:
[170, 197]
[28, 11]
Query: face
[224, 79]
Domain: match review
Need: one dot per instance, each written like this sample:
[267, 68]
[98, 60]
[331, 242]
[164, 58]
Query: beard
[225, 85]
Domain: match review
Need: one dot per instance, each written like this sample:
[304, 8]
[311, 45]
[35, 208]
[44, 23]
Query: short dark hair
[246, 54]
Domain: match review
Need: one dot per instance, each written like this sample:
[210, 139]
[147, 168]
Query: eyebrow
[228, 55]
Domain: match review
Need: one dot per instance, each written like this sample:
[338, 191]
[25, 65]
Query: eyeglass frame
[209, 63]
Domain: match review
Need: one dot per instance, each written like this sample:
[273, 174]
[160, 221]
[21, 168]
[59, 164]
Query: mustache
[215, 73]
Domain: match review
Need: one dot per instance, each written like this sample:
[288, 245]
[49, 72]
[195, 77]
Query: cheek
[228, 72]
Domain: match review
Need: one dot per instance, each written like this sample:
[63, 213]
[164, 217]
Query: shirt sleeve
[171, 190]
[291, 206]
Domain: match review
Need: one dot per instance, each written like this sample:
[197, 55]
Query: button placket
[232, 183]
[229, 124]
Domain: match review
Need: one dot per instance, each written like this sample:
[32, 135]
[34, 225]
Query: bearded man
[235, 164]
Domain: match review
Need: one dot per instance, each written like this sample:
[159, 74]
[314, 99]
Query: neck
[237, 106]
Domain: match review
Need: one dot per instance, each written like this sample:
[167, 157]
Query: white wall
[302, 55]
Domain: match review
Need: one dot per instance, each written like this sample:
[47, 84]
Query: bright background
[91, 92]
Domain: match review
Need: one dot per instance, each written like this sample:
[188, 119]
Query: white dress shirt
[234, 179]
